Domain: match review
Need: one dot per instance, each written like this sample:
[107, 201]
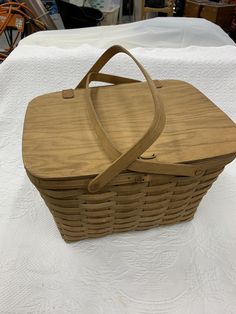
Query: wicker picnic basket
[128, 156]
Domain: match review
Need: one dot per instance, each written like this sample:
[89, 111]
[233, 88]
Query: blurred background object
[76, 16]
[20, 18]
[221, 13]
[40, 11]
[111, 10]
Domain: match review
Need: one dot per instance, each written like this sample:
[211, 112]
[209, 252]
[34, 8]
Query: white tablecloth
[162, 32]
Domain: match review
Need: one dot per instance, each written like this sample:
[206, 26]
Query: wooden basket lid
[59, 140]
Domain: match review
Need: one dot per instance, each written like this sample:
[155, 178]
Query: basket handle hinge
[68, 94]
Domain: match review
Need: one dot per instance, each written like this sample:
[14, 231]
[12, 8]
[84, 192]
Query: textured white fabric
[188, 268]
[167, 32]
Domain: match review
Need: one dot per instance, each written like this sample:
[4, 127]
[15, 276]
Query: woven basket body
[133, 201]
[94, 184]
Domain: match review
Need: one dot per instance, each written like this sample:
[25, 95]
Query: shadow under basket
[128, 156]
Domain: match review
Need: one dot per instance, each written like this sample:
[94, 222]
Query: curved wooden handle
[105, 57]
[155, 129]
[128, 160]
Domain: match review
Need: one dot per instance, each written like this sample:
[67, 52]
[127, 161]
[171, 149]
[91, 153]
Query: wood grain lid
[59, 140]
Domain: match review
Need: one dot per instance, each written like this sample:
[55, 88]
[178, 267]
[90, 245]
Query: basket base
[71, 240]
